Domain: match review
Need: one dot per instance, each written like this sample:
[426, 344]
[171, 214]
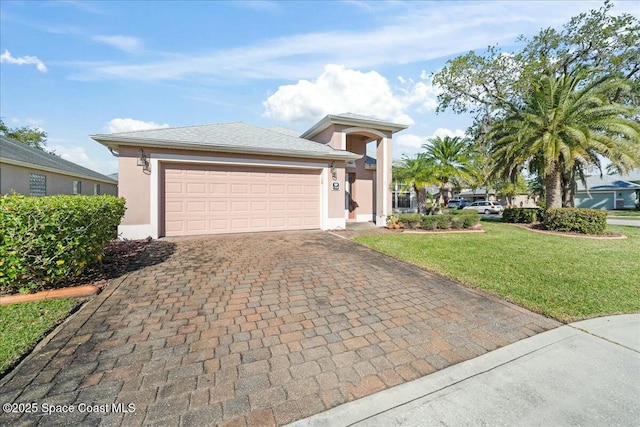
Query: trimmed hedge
[45, 239]
[585, 221]
[456, 220]
[409, 220]
[522, 215]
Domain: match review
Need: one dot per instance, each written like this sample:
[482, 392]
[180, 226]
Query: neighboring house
[32, 172]
[405, 199]
[235, 177]
[518, 200]
[609, 192]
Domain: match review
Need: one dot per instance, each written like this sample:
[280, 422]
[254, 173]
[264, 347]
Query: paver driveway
[258, 329]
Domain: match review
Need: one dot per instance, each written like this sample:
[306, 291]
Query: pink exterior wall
[336, 198]
[383, 169]
[16, 178]
[367, 181]
[134, 186]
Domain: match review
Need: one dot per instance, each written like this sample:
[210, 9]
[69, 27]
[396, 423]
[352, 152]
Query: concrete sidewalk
[586, 373]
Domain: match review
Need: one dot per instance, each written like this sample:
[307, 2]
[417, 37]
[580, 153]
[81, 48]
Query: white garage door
[203, 199]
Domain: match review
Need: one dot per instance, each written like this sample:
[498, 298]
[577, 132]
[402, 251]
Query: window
[77, 187]
[37, 185]
[96, 189]
[402, 200]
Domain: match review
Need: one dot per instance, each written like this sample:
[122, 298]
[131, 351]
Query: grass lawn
[566, 278]
[23, 325]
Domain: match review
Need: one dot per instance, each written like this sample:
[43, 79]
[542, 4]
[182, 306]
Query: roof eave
[113, 143]
[331, 119]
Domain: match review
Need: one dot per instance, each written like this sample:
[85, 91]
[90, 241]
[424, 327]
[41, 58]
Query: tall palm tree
[566, 121]
[452, 159]
[416, 173]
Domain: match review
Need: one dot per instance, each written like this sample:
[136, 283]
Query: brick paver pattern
[258, 329]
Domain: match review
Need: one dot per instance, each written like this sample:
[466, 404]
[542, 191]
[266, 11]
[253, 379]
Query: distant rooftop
[15, 152]
[613, 182]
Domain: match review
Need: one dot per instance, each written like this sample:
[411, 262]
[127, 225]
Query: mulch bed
[120, 256]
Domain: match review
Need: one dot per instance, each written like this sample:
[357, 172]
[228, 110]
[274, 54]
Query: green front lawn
[23, 325]
[567, 278]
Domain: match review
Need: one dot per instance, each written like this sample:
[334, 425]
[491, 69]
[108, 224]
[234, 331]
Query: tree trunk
[436, 203]
[567, 189]
[553, 186]
[422, 202]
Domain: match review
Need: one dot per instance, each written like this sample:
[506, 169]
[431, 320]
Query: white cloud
[125, 43]
[337, 90]
[22, 60]
[409, 140]
[411, 144]
[130, 125]
[442, 132]
[34, 122]
[79, 156]
[421, 94]
[27, 122]
[415, 32]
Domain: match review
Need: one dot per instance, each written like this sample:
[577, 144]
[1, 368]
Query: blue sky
[77, 68]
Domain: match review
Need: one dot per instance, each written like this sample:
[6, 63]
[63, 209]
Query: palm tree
[416, 173]
[563, 125]
[452, 159]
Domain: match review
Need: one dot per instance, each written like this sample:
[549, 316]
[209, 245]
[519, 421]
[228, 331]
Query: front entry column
[383, 181]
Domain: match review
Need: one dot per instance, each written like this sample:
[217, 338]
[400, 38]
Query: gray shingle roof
[286, 131]
[612, 182]
[12, 151]
[234, 137]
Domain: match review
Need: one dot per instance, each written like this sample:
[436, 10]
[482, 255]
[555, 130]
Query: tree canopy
[492, 83]
[556, 106]
[31, 136]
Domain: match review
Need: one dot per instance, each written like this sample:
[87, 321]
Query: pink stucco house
[235, 177]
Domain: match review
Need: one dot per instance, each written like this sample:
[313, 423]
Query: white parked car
[486, 207]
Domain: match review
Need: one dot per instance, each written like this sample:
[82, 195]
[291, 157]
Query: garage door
[202, 199]
[594, 200]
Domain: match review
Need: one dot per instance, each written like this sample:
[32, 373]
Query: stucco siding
[134, 187]
[16, 178]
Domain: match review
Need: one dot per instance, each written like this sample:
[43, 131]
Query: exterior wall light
[143, 161]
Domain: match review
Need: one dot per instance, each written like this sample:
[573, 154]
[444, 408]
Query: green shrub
[443, 221]
[45, 239]
[411, 221]
[470, 221]
[586, 221]
[457, 222]
[429, 222]
[522, 215]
